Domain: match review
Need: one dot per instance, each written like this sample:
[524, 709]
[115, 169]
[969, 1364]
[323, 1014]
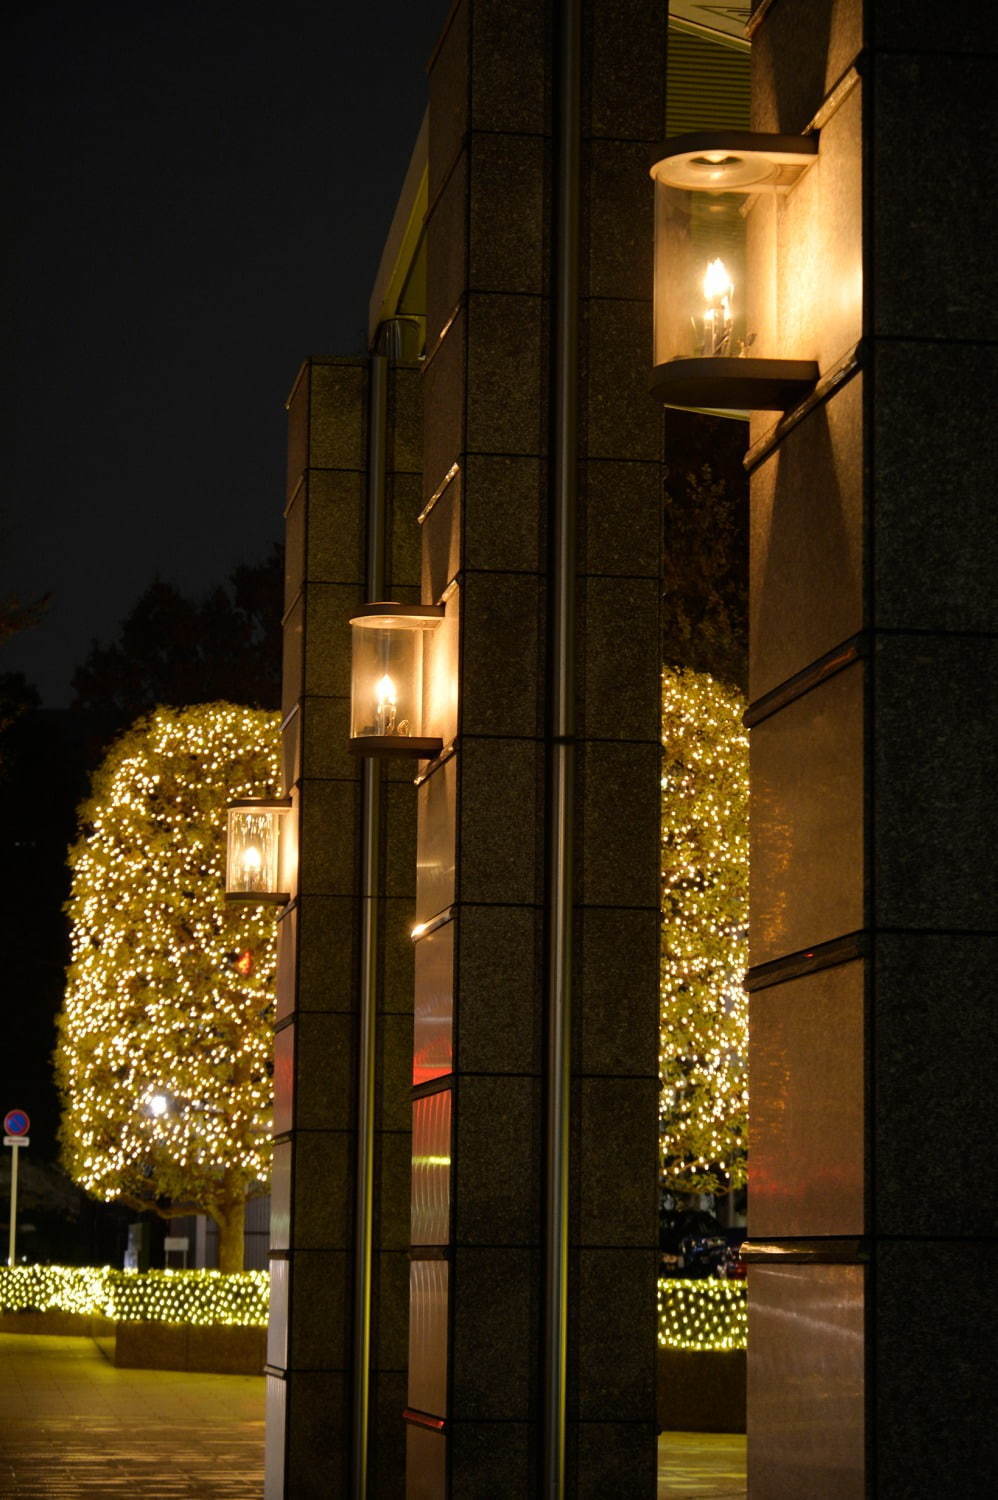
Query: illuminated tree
[704, 1011]
[163, 1060]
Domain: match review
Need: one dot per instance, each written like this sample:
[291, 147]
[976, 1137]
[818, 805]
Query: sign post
[16, 1125]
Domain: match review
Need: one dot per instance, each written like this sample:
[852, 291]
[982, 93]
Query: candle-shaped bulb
[252, 860]
[717, 284]
[717, 289]
[387, 705]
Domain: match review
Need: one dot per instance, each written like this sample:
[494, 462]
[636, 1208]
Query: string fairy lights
[237, 1299]
[709, 1314]
[163, 1060]
[704, 1010]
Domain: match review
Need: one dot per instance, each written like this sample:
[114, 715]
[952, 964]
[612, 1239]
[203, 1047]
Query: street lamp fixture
[253, 867]
[716, 273]
[390, 644]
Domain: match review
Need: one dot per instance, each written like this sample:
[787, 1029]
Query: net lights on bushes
[703, 1314]
[203, 1298]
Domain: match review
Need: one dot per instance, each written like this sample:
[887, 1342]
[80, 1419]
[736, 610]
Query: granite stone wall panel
[935, 473]
[799, 53]
[495, 1375]
[616, 1018]
[504, 520]
[937, 1051]
[931, 250]
[620, 516]
[807, 829]
[936, 705]
[620, 659]
[500, 967]
[502, 655]
[507, 220]
[619, 220]
[806, 1082]
[806, 593]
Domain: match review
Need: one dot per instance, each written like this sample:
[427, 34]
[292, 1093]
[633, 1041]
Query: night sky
[197, 196]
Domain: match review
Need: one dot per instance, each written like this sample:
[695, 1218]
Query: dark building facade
[464, 1222]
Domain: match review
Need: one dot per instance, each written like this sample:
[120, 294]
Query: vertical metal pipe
[377, 419]
[562, 756]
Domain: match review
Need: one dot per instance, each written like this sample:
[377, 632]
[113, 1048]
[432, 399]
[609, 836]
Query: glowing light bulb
[158, 1106]
[716, 282]
[718, 289]
[387, 708]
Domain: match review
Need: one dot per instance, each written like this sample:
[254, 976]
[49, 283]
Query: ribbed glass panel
[431, 1164]
[284, 1078]
[277, 1326]
[428, 1289]
[707, 86]
[436, 818]
[434, 1008]
[425, 1464]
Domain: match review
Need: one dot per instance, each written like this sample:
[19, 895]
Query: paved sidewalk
[701, 1465]
[72, 1427]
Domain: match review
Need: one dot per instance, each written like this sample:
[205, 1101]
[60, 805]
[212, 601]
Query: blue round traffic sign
[16, 1122]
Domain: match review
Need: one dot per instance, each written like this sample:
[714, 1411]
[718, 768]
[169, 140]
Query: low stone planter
[215, 1348]
[59, 1324]
[701, 1390]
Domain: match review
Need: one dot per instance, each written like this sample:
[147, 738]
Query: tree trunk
[231, 1221]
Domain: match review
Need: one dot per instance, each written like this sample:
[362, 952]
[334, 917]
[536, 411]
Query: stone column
[310, 1352]
[476, 1355]
[873, 680]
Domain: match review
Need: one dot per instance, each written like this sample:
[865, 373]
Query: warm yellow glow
[165, 1041]
[703, 1058]
[717, 284]
[386, 692]
[252, 860]
[702, 1314]
[200, 1297]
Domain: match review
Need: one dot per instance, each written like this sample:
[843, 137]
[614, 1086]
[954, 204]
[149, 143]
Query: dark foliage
[705, 563]
[175, 651]
[15, 616]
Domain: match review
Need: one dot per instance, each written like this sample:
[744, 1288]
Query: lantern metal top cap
[387, 615]
[734, 161]
[260, 804]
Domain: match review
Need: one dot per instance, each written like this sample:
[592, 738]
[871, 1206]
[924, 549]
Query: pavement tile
[72, 1427]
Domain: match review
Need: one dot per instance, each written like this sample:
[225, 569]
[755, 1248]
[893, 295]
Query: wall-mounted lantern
[389, 649]
[714, 277]
[253, 854]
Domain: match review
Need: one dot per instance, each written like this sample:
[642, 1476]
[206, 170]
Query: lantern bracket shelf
[734, 384]
[420, 746]
[734, 161]
[260, 898]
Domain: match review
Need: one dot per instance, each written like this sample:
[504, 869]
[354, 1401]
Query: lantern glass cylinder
[387, 688]
[387, 712]
[718, 324]
[700, 275]
[253, 851]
